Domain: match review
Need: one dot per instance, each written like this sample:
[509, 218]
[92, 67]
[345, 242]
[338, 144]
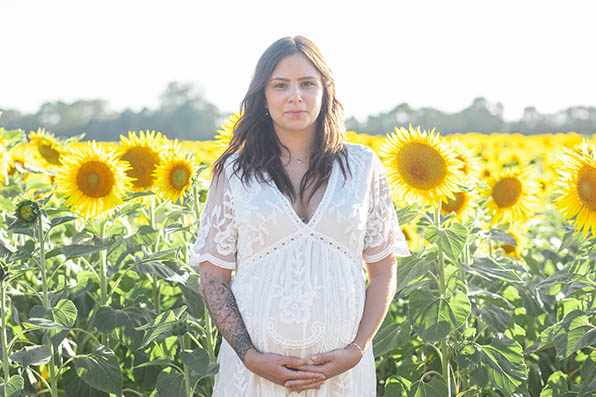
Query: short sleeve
[383, 234]
[217, 235]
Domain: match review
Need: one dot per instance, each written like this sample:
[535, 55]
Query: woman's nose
[295, 94]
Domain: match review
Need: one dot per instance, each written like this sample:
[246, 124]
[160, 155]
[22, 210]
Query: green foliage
[31, 355]
[433, 317]
[111, 307]
[100, 370]
[13, 387]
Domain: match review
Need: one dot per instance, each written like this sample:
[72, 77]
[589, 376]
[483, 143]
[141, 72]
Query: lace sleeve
[383, 234]
[217, 235]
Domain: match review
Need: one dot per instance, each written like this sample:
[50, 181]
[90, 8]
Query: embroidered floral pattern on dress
[382, 227]
[217, 235]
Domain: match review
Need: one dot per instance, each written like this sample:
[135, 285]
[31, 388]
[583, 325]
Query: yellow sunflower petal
[512, 195]
[92, 180]
[577, 191]
[143, 153]
[43, 150]
[420, 166]
[226, 131]
[173, 176]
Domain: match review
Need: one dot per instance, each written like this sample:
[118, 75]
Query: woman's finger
[300, 388]
[314, 368]
[290, 375]
[292, 362]
[301, 382]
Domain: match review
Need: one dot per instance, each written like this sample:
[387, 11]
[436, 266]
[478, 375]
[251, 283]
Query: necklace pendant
[299, 160]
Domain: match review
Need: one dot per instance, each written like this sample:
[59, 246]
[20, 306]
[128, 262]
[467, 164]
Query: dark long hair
[256, 142]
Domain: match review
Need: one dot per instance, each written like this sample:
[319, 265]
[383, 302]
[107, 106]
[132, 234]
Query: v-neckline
[320, 207]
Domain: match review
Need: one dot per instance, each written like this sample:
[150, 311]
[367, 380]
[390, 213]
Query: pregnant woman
[300, 216]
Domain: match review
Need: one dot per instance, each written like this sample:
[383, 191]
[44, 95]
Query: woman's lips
[295, 112]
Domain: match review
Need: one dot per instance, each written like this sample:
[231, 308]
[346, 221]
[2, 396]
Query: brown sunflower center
[586, 186]
[143, 161]
[506, 192]
[179, 176]
[95, 179]
[49, 154]
[421, 166]
[508, 248]
[406, 234]
[453, 205]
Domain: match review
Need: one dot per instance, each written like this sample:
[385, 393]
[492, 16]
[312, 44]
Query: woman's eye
[280, 85]
[308, 83]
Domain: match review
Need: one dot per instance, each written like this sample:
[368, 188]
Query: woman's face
[293, 94]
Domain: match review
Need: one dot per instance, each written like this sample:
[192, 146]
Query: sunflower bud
[27, 211]
[203, 195]
[179, 328]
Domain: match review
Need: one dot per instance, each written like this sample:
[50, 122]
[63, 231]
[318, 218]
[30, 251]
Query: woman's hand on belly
[281, 369]
[329, 364]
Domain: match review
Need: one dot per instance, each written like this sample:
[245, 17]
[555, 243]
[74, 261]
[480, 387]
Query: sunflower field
[498, 298]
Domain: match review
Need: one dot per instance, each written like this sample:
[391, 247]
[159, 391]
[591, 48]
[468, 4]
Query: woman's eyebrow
[301, 78]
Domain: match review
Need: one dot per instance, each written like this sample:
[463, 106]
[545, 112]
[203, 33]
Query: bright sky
[426, 53]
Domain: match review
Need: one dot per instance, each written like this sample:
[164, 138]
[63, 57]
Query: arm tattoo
[221, 303]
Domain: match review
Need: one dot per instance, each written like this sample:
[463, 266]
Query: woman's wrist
[355, 346]
[251, 358]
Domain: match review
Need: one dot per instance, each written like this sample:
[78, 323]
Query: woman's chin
[296, 127]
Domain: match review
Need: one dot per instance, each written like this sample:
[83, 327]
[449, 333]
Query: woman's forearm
[221, 303]
[379, 294]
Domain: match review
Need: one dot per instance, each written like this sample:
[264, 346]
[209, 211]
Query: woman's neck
[299, 144]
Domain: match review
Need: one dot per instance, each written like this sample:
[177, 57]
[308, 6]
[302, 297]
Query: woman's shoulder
[229, 162]
[359, 151]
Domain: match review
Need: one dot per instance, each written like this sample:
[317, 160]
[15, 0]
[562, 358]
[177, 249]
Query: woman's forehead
[296, 66]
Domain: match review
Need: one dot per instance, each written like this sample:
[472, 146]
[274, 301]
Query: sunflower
[486, 172]
[173, 176]
[414, 240]
[17, 158]
[421, 167]
[522, 242]
[577, 188]
[512, 195]
[470, 162]
[5, 162]
[226, 131]
[93, 180]
[43, 150]
[143, 153]
[463, 204]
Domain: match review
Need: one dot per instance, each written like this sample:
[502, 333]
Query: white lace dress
[300, 287]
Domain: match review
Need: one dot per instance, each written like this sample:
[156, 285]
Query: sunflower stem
[154, 279]
[442, 290]
[182, 341]
[467, 262]
[46, 303]
[104, 267]
[53, 375]
[208, 325]
[42, 263]
[5, 365]
[103, 282]
[490, 248]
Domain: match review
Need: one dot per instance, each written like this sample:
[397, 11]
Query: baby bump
[303, 301]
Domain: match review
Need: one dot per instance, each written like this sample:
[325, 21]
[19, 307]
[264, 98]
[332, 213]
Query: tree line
[185, 114]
